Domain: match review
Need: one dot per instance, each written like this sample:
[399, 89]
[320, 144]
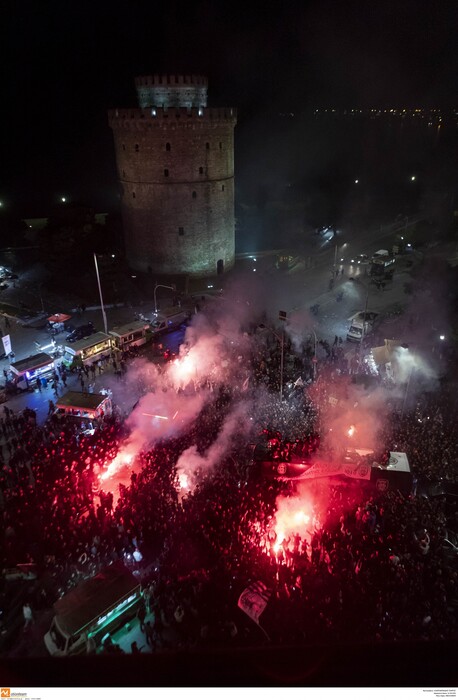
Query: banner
[254, 599]
[7, 343]
[354, 471]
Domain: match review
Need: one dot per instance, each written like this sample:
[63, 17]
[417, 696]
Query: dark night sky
[65, 63]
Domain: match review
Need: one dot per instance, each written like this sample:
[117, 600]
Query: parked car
[80, 332]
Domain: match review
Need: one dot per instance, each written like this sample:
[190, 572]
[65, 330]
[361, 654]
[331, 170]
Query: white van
[168, 320]
[361, 324]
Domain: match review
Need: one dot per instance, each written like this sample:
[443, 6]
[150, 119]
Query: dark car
[80, 332]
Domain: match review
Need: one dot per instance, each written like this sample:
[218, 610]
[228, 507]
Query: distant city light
[63, 199]
[413, 178]
[1, 204]
[209, 286]
[356, 182]
[254, 269]
[442, 337]
[113, 255]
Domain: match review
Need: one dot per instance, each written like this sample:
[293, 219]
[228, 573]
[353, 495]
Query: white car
[361, 259]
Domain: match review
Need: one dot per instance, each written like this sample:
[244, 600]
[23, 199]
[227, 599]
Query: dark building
[175, 159]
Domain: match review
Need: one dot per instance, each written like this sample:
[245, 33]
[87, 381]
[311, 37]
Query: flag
[253, 600]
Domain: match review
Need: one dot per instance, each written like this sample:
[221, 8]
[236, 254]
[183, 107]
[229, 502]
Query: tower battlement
[158, 116]
[171, 91]
[162, 80]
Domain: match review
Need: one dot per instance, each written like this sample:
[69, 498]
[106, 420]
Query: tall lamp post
[164, 286]
[100, 293]
[364, 325]
[282, 316]
[336, 250]
[314, 355]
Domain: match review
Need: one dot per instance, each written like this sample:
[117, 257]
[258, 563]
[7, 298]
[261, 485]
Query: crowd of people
[371, 566]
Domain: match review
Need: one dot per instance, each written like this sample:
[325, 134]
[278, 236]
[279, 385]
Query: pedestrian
[336, 340]
[82, 382]
[134, 648]
[51, 407]
[141, 614]
[28, 615]
[150, 637]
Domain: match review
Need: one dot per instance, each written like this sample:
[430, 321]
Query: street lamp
[164, 286]
[100, 293]
[364, 326]
[336, 250]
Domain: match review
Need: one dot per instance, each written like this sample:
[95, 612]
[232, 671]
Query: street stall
[37, 367]
[88, 350]
[130, 335]
[56, 322]
[79, 404]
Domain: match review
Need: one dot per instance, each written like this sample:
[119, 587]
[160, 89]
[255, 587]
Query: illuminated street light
[356, 182]
[63, 199]
[442, 337]
[413, 178]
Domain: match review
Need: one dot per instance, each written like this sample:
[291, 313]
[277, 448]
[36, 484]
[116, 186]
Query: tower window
[201, 171]
[166, 172]
[123, 146]
[222, 188]
[180, 231]
[124, 173]
[133, 195]
[167, 147]
[220, 145]
[207, 146]
[194, 195]
[136, 148]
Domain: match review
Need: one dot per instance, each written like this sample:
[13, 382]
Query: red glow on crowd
[111, 468]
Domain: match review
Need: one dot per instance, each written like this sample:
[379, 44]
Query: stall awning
[58, 318]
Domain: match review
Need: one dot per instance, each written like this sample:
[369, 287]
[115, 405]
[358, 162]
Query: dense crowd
[370, 567]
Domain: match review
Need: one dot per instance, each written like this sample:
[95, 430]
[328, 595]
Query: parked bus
[93, 609]
[130, 335]
[88, 350]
